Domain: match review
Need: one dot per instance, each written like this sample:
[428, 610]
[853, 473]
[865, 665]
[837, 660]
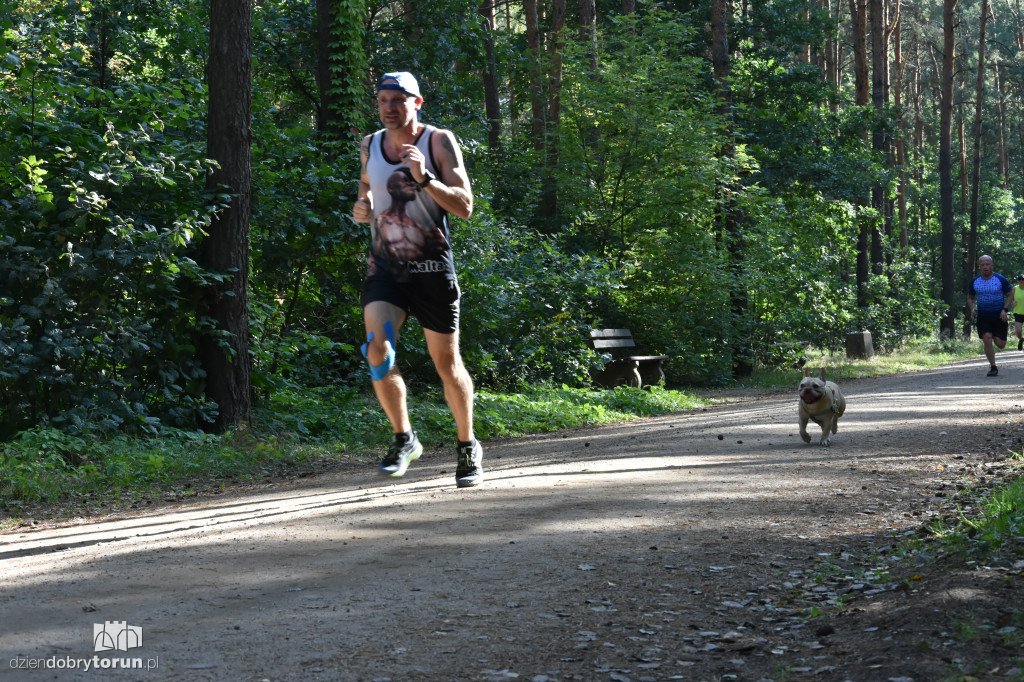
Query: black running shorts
[434, 301]
[991, 324]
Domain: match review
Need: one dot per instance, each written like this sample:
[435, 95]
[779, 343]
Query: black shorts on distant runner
[434, 301]
[991, 324]
[1018, 317]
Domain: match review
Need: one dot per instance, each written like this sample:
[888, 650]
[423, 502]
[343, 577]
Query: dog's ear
[821, 374]
[807, 372]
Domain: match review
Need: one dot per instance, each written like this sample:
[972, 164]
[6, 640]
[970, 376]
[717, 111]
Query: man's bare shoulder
[445, 141]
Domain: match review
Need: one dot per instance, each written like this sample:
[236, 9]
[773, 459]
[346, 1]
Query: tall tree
[224, 350]
[948, 320]
[549, 195]
[742, 364]
[979, 102]
[1004, 158]
[536, 84]
[588, 37]
[899, 65]
[341, 66]
[862, 95]
[880, 138]
[492, 104]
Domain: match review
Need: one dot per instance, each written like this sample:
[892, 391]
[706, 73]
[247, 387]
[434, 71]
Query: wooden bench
[631, 370]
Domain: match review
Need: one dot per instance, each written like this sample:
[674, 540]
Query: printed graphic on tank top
[410, 233]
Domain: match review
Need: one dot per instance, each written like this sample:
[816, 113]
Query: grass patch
[48, 466]
[994, 532]
[912, 356]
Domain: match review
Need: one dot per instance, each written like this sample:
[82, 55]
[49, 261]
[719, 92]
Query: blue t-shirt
[990, 293]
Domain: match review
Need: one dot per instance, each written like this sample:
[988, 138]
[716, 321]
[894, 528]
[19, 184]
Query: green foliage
[812, 241]
[347, 64]
[102, 202]
[635, 175]
[307, 257]
[546, 409]
[47, 465]
[528, 305]
[1000, 525]
[639, 186]
[447, 71]
[901, 307]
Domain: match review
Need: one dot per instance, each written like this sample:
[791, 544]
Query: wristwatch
[428, 178]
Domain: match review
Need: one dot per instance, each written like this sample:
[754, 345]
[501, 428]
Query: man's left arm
[1008, 302]
[451, 191]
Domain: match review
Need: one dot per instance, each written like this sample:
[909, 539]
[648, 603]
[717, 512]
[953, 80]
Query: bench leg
[634, 377]
[652, 374]
[618, 373]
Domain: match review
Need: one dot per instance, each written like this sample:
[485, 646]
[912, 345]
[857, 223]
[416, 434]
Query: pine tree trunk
[742, 362]
[901, 153]
[549, 192]
[948, 320]
[919, 151]
[879, 136]
[325, 121]
[862, 96]
[979, 101]
[536, 86]
[1004, 157]
[492, 103]
[225, 356]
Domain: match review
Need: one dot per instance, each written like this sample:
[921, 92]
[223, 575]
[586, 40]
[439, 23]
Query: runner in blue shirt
[989, 298]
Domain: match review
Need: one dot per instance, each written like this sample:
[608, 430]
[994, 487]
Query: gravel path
[708, 545]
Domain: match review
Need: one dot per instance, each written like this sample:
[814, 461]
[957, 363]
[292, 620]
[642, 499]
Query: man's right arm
[362, 211]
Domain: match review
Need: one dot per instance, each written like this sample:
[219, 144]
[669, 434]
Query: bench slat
[614, 343]
[610, 333]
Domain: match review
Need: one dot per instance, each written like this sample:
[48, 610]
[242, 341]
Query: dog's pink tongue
[807, 397]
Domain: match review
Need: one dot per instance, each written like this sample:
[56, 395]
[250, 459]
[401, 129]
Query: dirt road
[703, 546]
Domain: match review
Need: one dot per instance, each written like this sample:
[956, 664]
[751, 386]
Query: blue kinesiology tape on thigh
[378, 372]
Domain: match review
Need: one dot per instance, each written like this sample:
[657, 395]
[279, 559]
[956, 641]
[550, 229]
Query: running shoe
[399, 457]
[993, 372]
[469, 471]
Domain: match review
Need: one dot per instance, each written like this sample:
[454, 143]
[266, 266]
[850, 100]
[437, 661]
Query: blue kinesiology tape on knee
[378, 372]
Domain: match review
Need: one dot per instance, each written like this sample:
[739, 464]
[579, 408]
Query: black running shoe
[1020, 344]
[993, 372]
[469, 471]
[399, 457]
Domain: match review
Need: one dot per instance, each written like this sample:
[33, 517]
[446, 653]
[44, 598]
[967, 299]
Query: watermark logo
[113, 635]
[116, 635]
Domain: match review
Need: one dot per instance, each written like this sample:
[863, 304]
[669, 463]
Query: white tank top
[409, 235]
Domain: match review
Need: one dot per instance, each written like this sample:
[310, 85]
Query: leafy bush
[528, 305]
[102, 200]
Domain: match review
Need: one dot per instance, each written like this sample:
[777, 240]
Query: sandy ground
[708, 545]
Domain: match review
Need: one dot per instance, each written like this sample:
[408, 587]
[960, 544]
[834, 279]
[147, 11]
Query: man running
[993, 295]
[412, 177]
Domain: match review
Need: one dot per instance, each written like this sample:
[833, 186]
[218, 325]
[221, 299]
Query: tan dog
[821, 402]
